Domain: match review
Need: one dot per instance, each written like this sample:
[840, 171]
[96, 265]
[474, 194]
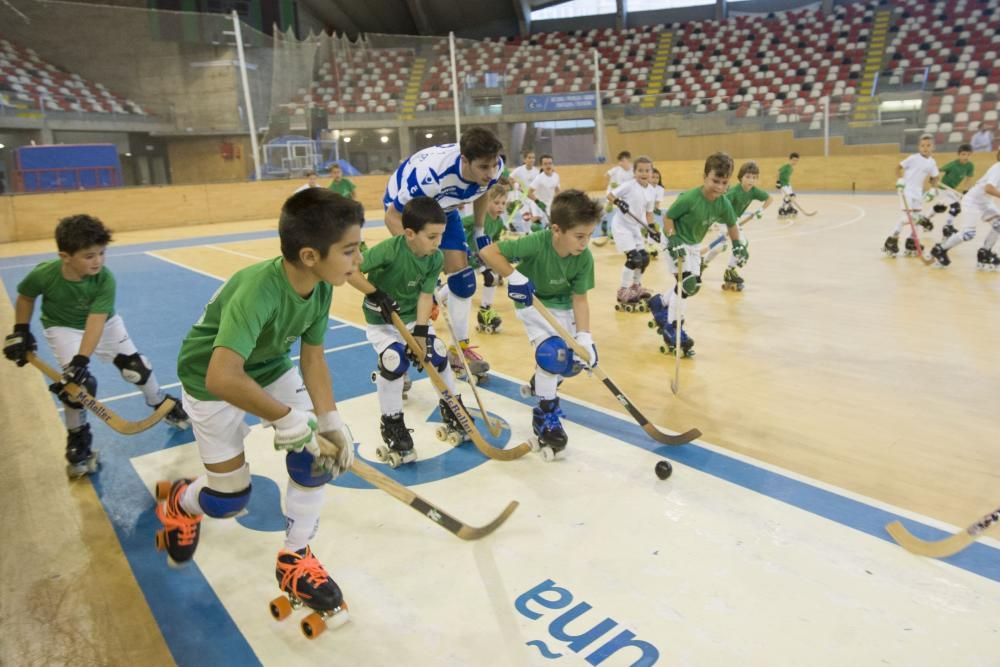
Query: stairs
[660, 64]
[866, 106]
[412, 94]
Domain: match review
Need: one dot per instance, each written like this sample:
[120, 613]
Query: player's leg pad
[633, 259]
[393, 361]
[690, 284]
[134, 368]
[300, 469]
[462, 283]
[553, 356]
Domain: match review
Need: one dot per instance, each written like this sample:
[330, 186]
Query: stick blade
[949, 546]
[475, 533]
[666, 439]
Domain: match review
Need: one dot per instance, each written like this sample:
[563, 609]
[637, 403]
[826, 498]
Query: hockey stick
[941, 548]
[795, 203]
[913, 230]
[494, 430]
[403, 494]
[721, 238]
[652, 431]
[106, 414]
[675, 384]
[650, 229]
[463, 417]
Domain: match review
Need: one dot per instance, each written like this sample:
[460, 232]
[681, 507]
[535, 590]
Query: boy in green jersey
[236, 360]
[956, 175]
[785, 185]
[78, 316]
[402, 274]
[740, 196]
[556, 267]
[685, 224]
[487, 319]
[339, 184]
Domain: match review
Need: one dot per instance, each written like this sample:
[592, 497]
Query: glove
[520, 288]
[931, 194]
[587, 341]
[658, 211]
[421, 333]
[759, 213]
[17, 345]
[654, 234]
[381, 303]
[483, 241]
[76, 371]
[622, 206]
[295, 431]
[741, 252]
[332, 427]
[900, 184]
[540, 204]
[676, 248]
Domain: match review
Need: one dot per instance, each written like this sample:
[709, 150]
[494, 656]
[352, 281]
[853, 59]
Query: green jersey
[492, 227]
[67, 303]
[785, 175]
[342, 187]
[556, 278]
[740, 198]
[953, 173]
[393, 268]
[257, 315]
[693, 215]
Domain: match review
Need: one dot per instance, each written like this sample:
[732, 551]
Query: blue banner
[566, 102]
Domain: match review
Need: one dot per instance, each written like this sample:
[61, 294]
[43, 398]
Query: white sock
[627, 277]
[488, 294]
[546, 384]
[459, 310]
[636, 276]
[390, 394]
[151, 390]
[302, 507]
[951, 241]
[991, 239]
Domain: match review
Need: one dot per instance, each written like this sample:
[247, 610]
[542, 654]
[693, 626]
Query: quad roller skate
[629, 300]
[550, 438]
[891, 246]
[176, 417]
[732, 281]
[987, 260]
[658, 308]
[180, 532]
[305, 582]
[398, 447]
[451, 430]
[941, 255]
[669, 346]
[910, 249]
[948, 230]
[80, 458]
[487, 320]
[924, 222]
[478, 366]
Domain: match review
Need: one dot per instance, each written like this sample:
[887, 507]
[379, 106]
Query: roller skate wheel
[161, 540]
[641, 308]
[373, 376]
[534, 444]
[313, 625]
[339, 618]
[454, 438]
[548, 455]
[409, 458]
[163, 489]
[651, 324]
[618, 307]
[525, 391]
[481, 380]
[281, 608]
[441, 433]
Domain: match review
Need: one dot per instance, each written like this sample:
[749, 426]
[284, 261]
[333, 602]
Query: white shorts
[914, 199]
[65, 341]
[787, 190]
[218, 426]
[627, 235]
[382, 336]
[974, 212]
[692, 261]
[538, 328]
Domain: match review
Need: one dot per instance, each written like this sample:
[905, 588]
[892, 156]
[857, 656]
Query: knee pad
[553, 356]
[940, 208]
[462, 283]
[489, 278]
[135, 368]
[300, 469]
[633, 260]
[690, 284]
[438, 351]
[968, 234]
[644, 256]
[393, 362]
[228, 493]
[89, 385]
[954, 210]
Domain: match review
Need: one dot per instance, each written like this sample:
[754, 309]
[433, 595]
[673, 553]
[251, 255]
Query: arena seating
[28, 81]
[367, 81]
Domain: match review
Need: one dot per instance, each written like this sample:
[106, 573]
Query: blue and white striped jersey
[435, 172]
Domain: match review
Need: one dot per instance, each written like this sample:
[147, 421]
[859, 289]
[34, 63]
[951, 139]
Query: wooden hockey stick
[675, 383]
[650, 229]
[795, 203]
[463, 417]
[106, 414]
[403, 494]
[721, 238]
[494, 430]
[652, 431]
[941, 548]
[913, 230]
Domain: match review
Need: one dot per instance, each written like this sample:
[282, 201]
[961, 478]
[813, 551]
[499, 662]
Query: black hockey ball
[664, 469]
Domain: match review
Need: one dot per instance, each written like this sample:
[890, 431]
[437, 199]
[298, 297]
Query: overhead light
[429, 135]
[347, 140]
[128, 155]
[384, 139]
[2, 146]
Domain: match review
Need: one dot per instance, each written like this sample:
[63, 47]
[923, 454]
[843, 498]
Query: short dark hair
[749, 167]
[965, 148]
[316, 218]
[526, 152]
[422, 211]
[336, 165]
[478, 142]
[720, 164]
[546, 155]
[642, 159]
[76, 232]
[624, 154]
[793, 156]
[572, 208]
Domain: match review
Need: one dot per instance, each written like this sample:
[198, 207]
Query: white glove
[587, 342]
[295, 431]
[931, 194]
[759, 213]
[332, 427]
[900, 184]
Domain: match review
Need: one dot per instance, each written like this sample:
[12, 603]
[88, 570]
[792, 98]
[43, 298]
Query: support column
[405, 142]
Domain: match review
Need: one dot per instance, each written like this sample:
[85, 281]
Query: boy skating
[911, 174]
[633, 198]
[784, 184]
[980, 204]
[487, 318]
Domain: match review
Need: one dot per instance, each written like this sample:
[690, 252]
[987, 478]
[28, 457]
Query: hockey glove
[741, 252]
[296, 431]
[587, 341]
[622, 206]
[900, 184]
[332, 427]
[77, 371]
[658, 212]
[381, 303]
[421, 334]
[541, 205]
[758, 214]
[520, 288]
[931, 194]
[483, 241]
[18, 344]
[654, 234]
[676, 248]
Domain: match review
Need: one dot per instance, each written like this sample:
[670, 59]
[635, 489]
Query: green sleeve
[430, 281]
[759, 195]
[970, 170]
[680, 207]
[728, 213]
[104, 301]
[350, 185]
[316, 333]
[583, 282]
[242, 319]
[378, 255]
[31, 285]
[522, 248]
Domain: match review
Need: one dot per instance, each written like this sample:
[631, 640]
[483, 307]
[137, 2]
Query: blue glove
[520, 288]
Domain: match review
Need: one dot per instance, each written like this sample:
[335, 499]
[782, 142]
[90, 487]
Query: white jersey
[639, 199]
[618, 176]
[545, 187]
[658, 194]
[916, 169]
[304, 187]
[523, 176]
[435, 172]
[977, 195]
